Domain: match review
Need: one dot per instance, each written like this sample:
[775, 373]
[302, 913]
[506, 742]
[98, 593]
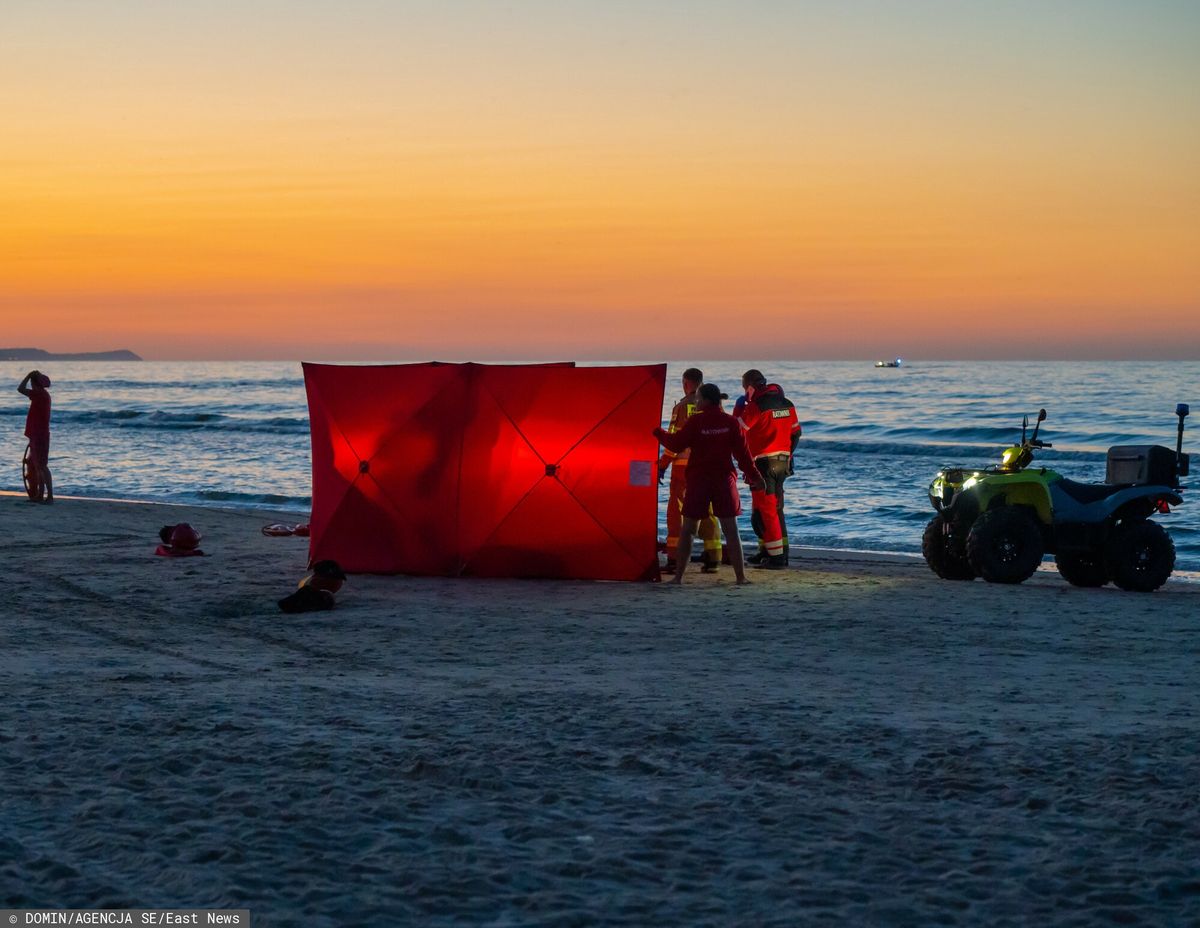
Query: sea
[235, 434]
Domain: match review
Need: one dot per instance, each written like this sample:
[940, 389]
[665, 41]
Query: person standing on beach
[36, 386]
[714, 440]
[772, 431]
[710, 532]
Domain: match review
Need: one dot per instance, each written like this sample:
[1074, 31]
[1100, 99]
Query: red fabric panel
[548, 535]
[499, 468]
[385, 462]
[588, 424]
[487, 470]
[598, 476]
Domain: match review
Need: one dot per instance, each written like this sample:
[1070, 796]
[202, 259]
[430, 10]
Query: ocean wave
[1000, 434]
[178, 421]
[989, 436]
[199, 385]
[250, 499]
[941, 451]
[208, 498]
[992, 435]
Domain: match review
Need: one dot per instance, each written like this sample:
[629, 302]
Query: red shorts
[39, 449]
[719, 492]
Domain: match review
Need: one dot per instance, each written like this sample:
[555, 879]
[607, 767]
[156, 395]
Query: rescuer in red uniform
[714, 439]
[36, 386]
[772, 430]
[710, 532]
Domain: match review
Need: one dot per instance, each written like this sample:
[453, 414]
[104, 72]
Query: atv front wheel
[1082, 569]
[1005, 546]
[942, 555]
[1140, 556]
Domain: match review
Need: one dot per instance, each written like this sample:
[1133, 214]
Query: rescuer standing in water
[36, 386]
[714, 439]
[772, 431]
[710, 532]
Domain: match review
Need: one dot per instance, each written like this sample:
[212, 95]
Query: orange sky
[405, 180]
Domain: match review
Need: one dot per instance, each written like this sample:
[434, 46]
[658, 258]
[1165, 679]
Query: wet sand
[849, 742]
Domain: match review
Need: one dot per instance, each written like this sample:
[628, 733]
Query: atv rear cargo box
[1141, 465]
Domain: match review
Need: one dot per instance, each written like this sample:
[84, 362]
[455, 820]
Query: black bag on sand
[307, 599]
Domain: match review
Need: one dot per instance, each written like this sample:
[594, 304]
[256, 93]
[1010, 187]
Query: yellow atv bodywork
[1029, 488]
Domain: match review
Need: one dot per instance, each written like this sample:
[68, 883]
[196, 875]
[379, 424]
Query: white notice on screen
[641, 473]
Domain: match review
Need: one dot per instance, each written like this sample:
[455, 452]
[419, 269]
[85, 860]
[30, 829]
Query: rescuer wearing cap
[714, 439]
[36, 386]
[772, 430]
[710, 532]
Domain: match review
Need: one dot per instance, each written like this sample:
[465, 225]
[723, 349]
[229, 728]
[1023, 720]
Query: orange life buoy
[29, 473]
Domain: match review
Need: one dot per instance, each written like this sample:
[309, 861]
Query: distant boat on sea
[896, 363]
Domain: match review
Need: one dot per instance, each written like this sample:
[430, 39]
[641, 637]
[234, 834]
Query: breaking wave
[175, 421]
[252, 499]
[977, 452]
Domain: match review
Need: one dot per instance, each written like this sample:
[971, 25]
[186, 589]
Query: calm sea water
[236, 434]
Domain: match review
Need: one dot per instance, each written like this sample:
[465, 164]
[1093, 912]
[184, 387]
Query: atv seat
[1086, 493]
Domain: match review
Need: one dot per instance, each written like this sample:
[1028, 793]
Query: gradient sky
[370, 179]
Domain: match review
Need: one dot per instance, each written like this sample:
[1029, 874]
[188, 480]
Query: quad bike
[1000, 522]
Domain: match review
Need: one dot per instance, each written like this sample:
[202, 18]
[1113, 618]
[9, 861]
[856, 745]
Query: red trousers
[768, 519]
[710, 529]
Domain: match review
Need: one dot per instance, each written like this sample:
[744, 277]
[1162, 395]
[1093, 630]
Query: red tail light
[1161, 506]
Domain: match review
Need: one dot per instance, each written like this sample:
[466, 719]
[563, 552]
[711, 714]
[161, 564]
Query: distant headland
[37, 354]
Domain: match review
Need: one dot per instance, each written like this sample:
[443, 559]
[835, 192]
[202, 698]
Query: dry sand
[850, 742]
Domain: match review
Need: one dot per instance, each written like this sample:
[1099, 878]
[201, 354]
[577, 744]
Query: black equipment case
[1141, 465]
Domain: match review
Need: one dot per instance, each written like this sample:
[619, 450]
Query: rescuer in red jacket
[772, 430]
[36, 386]
[714, 439]
[710, 532]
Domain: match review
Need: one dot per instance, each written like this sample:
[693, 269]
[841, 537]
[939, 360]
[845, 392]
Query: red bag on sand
[168, 551]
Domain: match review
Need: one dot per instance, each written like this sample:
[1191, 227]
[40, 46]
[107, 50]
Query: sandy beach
[849, 742]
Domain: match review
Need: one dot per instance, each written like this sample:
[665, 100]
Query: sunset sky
[384, 179]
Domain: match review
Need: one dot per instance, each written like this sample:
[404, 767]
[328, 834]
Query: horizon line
[459, 359]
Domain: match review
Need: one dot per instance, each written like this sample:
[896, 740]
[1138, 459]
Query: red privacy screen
[486, 470]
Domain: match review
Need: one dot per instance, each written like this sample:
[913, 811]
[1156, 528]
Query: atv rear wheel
[1005, 546]
[942, 555]
[1140, 556]
[1082, 569]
